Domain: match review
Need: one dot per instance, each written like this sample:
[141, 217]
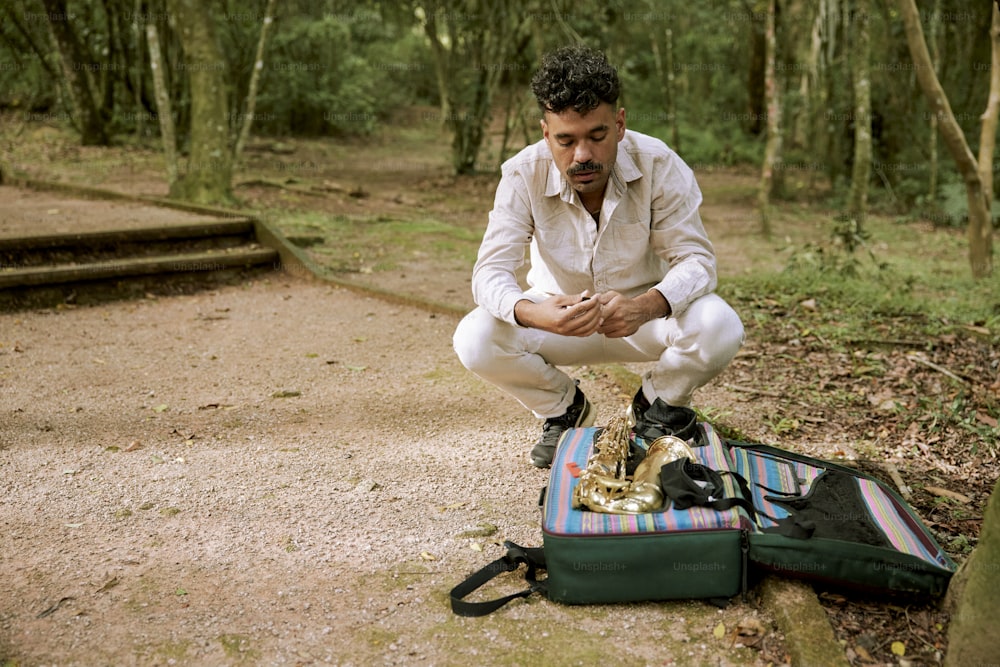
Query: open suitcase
[777, 512]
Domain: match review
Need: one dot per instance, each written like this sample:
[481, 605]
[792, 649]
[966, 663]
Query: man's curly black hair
[575, 77]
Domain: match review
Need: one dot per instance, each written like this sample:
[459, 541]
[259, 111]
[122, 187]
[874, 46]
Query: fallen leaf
[898, 648]
[751, 627]
[720, 631]
[476, 546]
[986, 419]
[427, 556]
[453, 506]
[286, 394]
[357, 369]
[161, 408]
[109, 585]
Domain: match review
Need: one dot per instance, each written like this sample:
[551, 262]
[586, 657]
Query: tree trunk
[164, 112]
[772, 150]
[140, 120]
[932, 181]
[675, 134]
[974, 597]
[440, 61]
[819, 119]
[861, 170]
[75, 69]
[980, 226]
[757, 74]
[209, 170]
[258, 65]
[665, 79]
[988, 132]
[469, 65]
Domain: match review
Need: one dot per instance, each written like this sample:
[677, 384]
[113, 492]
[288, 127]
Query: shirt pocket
[627, 255]
[630, 240]
[564, 246]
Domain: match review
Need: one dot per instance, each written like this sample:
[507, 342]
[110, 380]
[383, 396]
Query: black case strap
[533, 557]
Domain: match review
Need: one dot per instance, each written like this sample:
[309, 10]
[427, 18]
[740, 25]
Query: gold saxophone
[603, 485]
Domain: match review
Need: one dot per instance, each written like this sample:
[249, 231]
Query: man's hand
[624, 316]
[567, 315]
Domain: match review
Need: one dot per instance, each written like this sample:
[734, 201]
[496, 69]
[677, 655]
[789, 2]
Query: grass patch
[373, 243]
[907, 283]
[238, 647]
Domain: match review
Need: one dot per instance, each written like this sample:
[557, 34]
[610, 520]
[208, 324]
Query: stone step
[200, 262]
[47, 270]
[90, 247]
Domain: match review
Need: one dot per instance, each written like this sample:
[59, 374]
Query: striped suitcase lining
[559, 517]
[786, 477]
[902, 530]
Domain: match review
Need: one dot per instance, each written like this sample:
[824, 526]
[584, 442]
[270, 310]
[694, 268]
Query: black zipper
[745, 549]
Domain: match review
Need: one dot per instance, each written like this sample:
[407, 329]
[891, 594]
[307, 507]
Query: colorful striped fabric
[559, 517]
[779, 476]
[795, 477]
[899, 525]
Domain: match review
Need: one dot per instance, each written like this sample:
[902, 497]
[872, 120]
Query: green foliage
[341, 68]
[315, 82]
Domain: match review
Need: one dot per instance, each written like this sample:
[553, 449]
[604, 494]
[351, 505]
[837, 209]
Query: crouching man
[621, 269]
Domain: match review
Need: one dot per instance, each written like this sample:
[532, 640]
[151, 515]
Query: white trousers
[689, 349]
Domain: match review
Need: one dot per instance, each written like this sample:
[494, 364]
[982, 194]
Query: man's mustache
[586, 166]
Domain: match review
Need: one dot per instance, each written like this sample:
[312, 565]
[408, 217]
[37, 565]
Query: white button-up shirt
[649, 234]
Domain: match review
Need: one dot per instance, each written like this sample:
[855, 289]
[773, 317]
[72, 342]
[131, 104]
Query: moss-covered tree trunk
[208, 178]
[76, 66]
[974, 597]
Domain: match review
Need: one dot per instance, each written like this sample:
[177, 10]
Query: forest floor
[285, 471]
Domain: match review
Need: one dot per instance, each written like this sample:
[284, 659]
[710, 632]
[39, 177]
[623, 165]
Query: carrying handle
[534, 558]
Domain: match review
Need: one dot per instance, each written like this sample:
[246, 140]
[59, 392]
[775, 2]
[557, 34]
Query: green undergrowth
[878, 308]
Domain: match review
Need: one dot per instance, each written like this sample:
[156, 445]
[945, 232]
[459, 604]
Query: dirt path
[282, 473]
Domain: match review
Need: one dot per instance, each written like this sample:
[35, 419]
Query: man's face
[584, 147]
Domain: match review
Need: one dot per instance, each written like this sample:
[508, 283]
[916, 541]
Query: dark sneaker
[580, 413]
[639, 404]
[658, 419]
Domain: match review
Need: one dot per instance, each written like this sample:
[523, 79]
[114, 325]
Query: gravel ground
[282, 472]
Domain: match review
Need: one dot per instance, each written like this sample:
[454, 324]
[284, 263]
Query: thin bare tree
[980, 229]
